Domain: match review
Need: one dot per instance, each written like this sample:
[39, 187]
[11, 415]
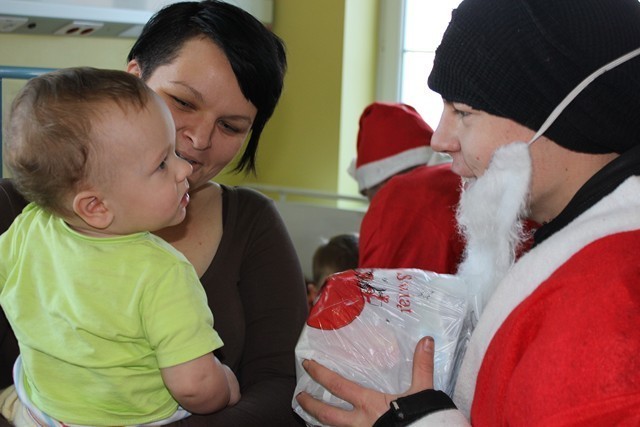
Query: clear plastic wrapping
[365, 326]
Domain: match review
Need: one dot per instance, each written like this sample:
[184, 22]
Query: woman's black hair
[257, 56]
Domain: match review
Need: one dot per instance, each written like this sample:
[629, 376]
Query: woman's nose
[200, 136]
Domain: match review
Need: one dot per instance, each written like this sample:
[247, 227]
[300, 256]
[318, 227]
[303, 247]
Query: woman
[221, 72]
[557, 341]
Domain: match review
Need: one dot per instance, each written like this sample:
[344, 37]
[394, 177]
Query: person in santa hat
[410, 223]
[540, 118]
[392, 139]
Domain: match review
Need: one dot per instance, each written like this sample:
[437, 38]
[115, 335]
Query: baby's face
[147, 185]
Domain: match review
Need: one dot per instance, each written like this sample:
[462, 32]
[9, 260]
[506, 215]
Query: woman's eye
[163, 164]
[181, 103]
[227, 127]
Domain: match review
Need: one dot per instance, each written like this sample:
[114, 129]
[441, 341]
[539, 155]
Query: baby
[112, 322]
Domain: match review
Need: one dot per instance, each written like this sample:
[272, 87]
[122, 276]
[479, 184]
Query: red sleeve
[568, 354]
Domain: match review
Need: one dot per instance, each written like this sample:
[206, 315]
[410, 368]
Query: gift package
[365, 326]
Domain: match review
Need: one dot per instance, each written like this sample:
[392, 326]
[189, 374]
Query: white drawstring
[574, 93]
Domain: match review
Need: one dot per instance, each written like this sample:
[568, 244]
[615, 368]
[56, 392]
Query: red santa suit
[411, 222]
[559, 341]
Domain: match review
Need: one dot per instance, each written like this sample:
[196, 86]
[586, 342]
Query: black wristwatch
[405, 410]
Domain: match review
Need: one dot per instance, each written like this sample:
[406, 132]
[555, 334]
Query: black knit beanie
[519, 58]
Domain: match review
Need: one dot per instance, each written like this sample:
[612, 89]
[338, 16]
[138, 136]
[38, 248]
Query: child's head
[96, 147]
[339, 253]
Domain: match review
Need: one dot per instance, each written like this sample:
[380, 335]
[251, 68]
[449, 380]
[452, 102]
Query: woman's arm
[11, 204]
[8, 351]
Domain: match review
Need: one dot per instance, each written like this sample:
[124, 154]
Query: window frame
[390, 62]
[390, 47]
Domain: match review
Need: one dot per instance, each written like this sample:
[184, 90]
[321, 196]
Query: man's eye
[455, 109]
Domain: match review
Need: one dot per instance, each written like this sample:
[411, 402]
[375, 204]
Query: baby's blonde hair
[51, 147]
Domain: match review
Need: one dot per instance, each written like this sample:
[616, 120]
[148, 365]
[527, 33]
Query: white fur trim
[615, 213]
[374, 173]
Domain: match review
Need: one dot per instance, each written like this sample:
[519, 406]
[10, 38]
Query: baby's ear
[89, 205]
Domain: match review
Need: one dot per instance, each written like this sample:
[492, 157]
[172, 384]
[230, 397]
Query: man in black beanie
[556, 339]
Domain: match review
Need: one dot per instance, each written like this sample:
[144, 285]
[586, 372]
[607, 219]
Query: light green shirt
[96, 319]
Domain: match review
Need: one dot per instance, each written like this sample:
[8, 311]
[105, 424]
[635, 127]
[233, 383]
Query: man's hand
[368, 405]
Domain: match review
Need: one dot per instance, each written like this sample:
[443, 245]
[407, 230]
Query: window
[411, 31]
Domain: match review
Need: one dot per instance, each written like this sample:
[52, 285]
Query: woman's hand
[368, 405]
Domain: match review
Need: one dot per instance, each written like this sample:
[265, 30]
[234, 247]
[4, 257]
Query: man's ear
[90, 206]
[134, 68]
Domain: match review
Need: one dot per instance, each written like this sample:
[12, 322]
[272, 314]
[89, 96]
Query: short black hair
[257, 56]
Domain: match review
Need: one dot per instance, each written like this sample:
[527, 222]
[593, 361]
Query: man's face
[496, 193]
[471, 137]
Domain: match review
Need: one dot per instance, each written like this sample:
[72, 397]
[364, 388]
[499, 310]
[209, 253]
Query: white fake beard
[490, 216]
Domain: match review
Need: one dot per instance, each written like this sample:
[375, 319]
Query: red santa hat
[392, 138]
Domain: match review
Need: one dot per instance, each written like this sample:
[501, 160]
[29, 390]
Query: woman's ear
[90, 206]
[134, 68]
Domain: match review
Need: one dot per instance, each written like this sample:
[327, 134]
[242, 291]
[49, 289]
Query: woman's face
[471, 136]
[212, 116]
